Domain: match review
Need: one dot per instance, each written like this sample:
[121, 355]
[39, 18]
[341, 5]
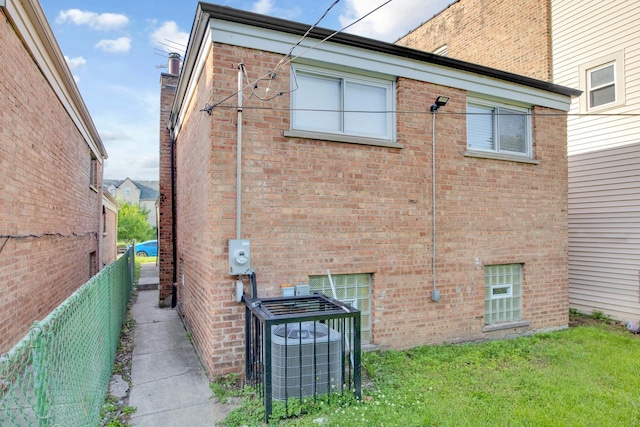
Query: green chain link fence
[58, 374]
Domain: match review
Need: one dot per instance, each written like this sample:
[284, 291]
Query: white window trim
[617, 59]
[388, 140]
[527, 157]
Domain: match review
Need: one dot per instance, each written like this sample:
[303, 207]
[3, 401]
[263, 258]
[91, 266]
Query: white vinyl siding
[604, 232]
[604, 153]
[342, 104]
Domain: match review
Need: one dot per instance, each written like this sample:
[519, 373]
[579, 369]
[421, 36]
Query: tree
[132, 223]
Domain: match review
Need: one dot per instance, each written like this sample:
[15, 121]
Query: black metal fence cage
[301, 347]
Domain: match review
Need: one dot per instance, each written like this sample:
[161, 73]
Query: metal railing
[58, 374]
[304, 347]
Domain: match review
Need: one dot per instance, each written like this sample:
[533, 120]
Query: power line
[288, 55]
[427, 111]
[209, 107]
[8, 237]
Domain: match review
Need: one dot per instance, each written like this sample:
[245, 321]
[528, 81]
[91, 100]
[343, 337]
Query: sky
[115, 50]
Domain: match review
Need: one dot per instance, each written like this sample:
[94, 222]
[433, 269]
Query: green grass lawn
[584, 376]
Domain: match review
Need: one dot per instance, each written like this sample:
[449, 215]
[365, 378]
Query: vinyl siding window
[602, 85]
[342, 104]
[498, 128]
[602, 81]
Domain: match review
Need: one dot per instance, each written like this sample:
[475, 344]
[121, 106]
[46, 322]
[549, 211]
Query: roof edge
[278, 24]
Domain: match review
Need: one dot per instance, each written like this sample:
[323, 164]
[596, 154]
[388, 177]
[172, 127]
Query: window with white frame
[340, 103]
[601, 85]
[498, 128]
[502, 293]
[351, 289]
[602, 82]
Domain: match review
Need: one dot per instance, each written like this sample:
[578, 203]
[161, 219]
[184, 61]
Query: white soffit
[358, 58]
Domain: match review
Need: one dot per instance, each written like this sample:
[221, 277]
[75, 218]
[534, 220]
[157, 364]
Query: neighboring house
[110, 208]
[51, 162]
[573, 43]
[336, 173]
[141, 193]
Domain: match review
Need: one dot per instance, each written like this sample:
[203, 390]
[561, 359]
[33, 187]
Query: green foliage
[226, 386]
[111, 412]
[599, 315]
[132, 223]
[251, 413]
[573, 312]
[586, 376]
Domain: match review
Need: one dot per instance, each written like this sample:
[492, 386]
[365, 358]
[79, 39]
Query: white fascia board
[29, 20]
[363, 59]
[195, 76]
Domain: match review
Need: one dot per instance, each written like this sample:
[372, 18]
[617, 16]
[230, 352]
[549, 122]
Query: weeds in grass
[582, 376]
[226, 386]
[599, 315]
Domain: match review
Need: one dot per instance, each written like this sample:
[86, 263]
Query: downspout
[174, 244]
[435, 294]
[239, 157]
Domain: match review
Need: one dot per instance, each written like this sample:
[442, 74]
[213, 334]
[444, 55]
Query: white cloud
[116, 135]
[147, 162]
[169, 33]
[264, 7]
[75, 63]
[120, 45]
[392, 20]
[95, 21]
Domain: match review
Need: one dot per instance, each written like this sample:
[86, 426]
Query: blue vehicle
[148, 248]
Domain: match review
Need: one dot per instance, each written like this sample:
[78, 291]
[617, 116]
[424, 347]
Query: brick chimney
[174, 63]
[168, 85]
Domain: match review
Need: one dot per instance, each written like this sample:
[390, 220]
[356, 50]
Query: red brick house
[591, 45]
[51, 159]
[329, 166]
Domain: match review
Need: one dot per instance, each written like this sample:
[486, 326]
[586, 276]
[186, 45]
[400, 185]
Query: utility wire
[232, 106]
[209, 107]
[288, 55]
[8, 237]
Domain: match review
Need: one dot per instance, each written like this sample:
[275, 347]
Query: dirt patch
[576, 320]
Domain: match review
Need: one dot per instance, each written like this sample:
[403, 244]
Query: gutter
[226, 13]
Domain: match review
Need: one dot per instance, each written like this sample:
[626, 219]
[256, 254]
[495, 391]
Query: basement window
[502, 293]
[351, 289]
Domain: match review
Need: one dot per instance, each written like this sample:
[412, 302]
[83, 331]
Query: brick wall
[508, 35]
[44, 185]
[109, 248]
[165, 220]
[311, 205]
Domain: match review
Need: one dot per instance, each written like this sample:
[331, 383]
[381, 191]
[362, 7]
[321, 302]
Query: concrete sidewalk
[169, 386]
